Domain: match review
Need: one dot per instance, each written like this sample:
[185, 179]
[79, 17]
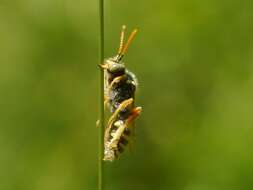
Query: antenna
[122, 35]
[130, 39]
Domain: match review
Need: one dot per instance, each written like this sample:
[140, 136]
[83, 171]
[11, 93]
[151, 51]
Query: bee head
[114, 68]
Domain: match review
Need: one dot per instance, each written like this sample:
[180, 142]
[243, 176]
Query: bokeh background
[194, 64]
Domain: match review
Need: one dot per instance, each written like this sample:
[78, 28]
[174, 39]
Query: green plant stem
[102, 114]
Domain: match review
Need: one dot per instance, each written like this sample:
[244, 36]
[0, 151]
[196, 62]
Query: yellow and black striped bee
[120, 86]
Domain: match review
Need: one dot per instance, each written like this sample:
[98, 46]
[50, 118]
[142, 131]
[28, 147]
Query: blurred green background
[194, 64]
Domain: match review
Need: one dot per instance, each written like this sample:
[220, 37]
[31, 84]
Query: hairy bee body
[119, 90]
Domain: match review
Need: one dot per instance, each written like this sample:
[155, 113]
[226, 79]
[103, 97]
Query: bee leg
[103, 66]
[131, 127]
[117, 135]
[134, 114]
[127, 139]
[116, 80]
[123, 105]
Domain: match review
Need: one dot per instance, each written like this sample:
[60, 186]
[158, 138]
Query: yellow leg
[134, 114]
[116, 80]
[123, 105]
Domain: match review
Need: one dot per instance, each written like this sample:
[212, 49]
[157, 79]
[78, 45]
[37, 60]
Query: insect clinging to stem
[119, 90]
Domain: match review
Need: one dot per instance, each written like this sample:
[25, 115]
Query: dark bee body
[120, 86]
[123, 90]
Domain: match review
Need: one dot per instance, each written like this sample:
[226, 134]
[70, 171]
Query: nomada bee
[119, 90]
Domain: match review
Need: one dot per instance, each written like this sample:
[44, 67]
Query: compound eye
[117, 68]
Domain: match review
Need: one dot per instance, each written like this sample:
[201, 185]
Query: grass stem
[102, 114]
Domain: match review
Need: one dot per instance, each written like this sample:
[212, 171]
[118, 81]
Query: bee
[119, 90]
